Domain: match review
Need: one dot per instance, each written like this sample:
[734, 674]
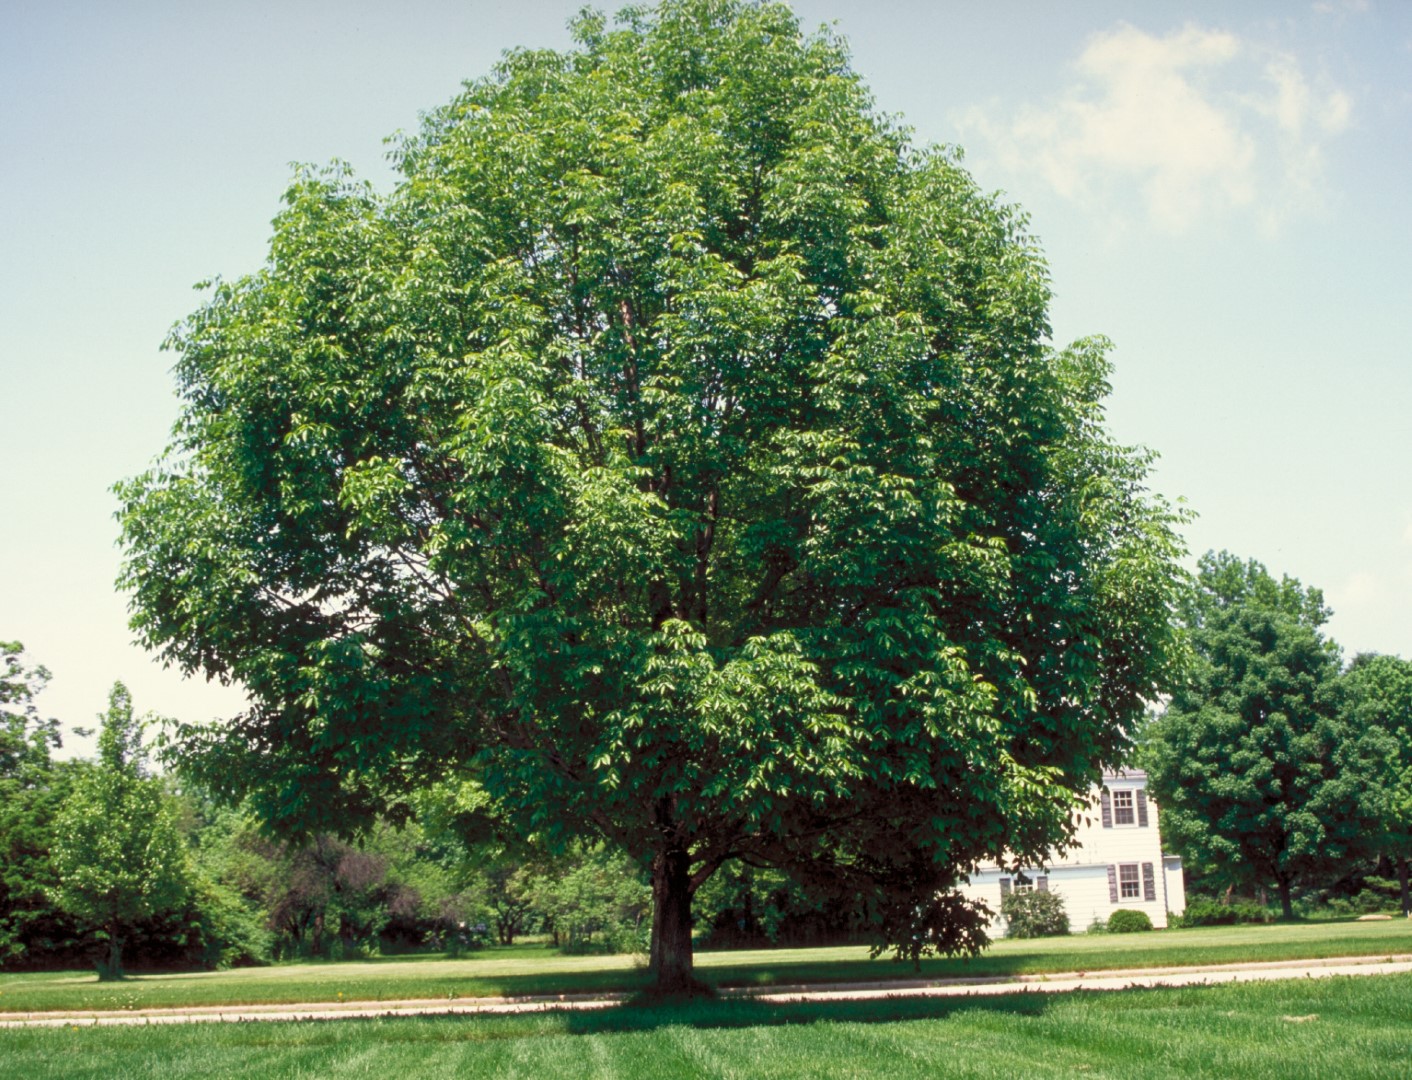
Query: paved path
[856, 991]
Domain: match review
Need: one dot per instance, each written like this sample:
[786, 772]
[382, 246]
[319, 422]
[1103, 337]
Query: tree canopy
[1261, 778]
[1380, 702]
[677, 453]
[26, 739]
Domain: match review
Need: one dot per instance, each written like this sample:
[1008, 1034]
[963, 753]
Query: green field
[1341, 1027]
[535, 969]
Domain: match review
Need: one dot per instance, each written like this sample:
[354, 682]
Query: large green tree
[118, 853]
[1380, 701]
[679, 453]
[1261, 778]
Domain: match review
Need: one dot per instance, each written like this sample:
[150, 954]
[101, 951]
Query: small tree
[118, 852]
[505, 892]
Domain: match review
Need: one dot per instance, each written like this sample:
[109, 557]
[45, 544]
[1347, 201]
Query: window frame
[1136, 882]
[1122, 807]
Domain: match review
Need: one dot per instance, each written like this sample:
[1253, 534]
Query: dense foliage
[1262, 779]
[1379, 700]
[680, 453]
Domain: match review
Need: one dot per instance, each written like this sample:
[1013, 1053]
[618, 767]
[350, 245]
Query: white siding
[1081, 876]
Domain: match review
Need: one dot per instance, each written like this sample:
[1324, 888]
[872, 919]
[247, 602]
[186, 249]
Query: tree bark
[671, 955]
[1402, 879]
[112, 967]
[1286, 906]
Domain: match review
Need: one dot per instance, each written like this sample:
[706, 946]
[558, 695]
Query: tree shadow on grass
[745, 975]
[745, 1012]
[738, 1012]
[880, 969]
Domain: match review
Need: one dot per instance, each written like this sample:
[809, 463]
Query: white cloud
[1196, 123]
[1296, 106]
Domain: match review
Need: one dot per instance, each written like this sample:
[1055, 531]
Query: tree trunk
[112, 967]
[1402, 879]
[1286, 906]
[671, 958]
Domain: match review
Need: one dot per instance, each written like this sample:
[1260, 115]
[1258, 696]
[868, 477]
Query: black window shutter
[1112, 884]
[1141, 808]
[1149, 883]
[1041, 883]
[1107, 801]
[1004, 887]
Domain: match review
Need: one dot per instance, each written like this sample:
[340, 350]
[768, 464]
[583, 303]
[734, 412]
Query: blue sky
[1221, 189]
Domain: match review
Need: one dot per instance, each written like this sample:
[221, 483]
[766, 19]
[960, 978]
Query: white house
[1116, 862]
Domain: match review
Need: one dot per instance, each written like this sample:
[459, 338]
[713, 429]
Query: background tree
[679, 453]
[1380, 701]
[118, 852]
[592, 901]
[506, 892]
[32, 787]
[1255, 766]
[326, 897]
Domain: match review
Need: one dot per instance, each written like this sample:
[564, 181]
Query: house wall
[1176, 883]
[1081, 876]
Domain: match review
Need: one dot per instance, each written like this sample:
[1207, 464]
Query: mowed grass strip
[1338, 1027]
[539, 970]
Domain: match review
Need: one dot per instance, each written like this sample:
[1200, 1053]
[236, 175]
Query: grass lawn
[1341, 1027]
[536, 969]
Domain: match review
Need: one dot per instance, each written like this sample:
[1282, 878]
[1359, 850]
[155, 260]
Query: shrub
[1375, 896]
[1034, 914]
[1202, 912]
[1128, 921]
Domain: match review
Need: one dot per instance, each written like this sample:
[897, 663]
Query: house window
[1024, 884]
[1123, 812]
[1129, 881]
